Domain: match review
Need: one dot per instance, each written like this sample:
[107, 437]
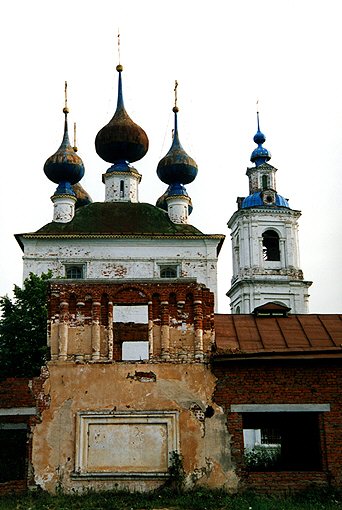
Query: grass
[200, 499]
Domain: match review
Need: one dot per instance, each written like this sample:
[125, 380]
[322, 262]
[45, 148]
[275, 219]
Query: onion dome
[64, 167]
[260, 155]
[83, 198]
[177, 166]
[121, 140]
[256, 200]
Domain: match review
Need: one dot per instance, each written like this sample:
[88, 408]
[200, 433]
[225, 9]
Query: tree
[23, 328]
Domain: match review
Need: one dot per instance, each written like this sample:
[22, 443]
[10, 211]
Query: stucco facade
[141, 396]
[115, 423]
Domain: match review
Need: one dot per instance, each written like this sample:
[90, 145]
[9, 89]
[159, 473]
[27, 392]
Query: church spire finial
[119, 56]
[175, 108]
[257, 105]
[75, 146]
[66, 109]
[260, 155]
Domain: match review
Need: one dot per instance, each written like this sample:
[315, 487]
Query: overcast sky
[225, 55]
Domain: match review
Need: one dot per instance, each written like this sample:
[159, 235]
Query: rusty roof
[242, 336]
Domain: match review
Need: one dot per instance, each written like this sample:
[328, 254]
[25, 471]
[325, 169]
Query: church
[142, 369]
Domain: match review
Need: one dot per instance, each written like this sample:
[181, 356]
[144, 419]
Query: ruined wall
[300, 382]
[83, 322]
[19, 412]
[112, 423]
[109, 424]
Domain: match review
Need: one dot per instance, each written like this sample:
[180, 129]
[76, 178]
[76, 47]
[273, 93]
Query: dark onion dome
[173, 190]
[255, 200]
[83, 198]
[260, 155]
[64, 167]
[177, 166]
[121, 140]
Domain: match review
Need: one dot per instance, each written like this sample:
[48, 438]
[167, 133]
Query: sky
[226, 55]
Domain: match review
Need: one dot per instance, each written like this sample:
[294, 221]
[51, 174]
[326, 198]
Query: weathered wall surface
[289, 382]
[83, 320]
[124, 258]
[19, 411]
[183, 390]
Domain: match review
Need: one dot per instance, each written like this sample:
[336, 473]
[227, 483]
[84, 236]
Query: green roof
[119, 218]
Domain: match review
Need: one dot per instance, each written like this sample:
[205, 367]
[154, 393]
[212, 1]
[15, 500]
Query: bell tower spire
[265, 245]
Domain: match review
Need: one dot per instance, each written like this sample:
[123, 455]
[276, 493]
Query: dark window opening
[122, 189]
[282, 441]
[13, 452]
[270, 243]
[168, 272]
[74, 272]
[264, 182]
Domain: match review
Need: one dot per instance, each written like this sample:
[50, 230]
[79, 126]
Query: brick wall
[21, 393]
[284, 382]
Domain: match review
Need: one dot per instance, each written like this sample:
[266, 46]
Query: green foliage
[262, 458]
[176, 480]
[199, 499]
[23, 328]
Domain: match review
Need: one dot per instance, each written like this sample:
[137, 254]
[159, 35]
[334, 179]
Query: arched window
[237, 310]
[270, 243]
[168, 272]
[264, 182]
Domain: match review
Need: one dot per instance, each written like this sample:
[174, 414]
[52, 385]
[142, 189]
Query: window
[74, 272]
[13, 451]
[122, 189]
[131, 331]
[168, 271]
[281, 441]
[270, 244]
[132, 351]
[264, 182]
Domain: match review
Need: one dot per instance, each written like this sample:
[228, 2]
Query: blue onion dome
[256, 200]
[177, 166]
[64, 167]
[260, 155]
[121, 140]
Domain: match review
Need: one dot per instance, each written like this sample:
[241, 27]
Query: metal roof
[297, 335]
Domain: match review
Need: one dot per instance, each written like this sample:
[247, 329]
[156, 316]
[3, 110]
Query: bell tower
[264, 233]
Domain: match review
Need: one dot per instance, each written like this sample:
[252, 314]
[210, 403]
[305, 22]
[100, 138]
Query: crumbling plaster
[124, 258]
[204, 442]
